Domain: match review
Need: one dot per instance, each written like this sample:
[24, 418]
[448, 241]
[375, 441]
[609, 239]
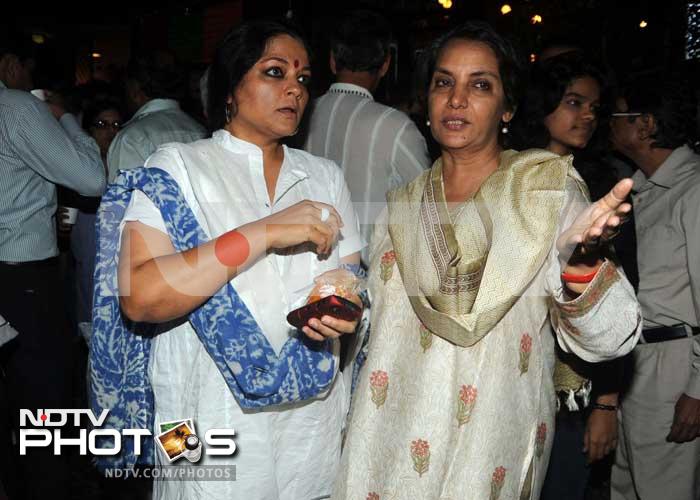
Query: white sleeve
[605, 321]
[141, 208]
[351, 240]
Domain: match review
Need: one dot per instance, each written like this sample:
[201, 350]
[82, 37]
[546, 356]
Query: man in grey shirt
[153, 84]
[659, 454]
[40, 146]
[378, 147]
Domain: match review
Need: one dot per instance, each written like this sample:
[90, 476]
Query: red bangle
[579, 278]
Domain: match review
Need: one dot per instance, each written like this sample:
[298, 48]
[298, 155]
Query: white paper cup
[71, 215]
[39, 94]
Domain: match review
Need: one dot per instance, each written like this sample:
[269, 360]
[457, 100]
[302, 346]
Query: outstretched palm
[598, 223]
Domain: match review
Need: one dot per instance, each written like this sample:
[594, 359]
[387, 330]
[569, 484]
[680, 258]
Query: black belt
[51, 261]
[664, 333]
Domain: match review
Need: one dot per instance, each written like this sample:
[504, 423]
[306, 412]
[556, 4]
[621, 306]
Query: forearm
[170, 286]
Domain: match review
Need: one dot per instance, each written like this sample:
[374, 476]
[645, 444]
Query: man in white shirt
[378, 147]
[659, 451]
[153, 82]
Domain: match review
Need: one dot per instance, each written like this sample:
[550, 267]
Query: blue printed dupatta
[119, 357]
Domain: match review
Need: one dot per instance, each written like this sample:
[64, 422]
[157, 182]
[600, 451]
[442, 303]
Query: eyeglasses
[101, 124]
[621, 113]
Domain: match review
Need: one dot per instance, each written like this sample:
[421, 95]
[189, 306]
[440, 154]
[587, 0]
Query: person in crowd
[102, 118]
[659, 454]
[378, 147]
[473, 266]
[272, 219]
[41, 146]
[153, 84]
[560, 113]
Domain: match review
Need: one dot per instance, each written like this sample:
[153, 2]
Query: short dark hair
[544, 90]
[361, 42]
[509, 62]
[96, 106]
[238, 52]
[669, 100]
[20, 47]
[157, 74]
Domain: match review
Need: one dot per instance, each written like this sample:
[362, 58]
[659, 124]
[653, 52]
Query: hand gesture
[598, 223]
[306, 221]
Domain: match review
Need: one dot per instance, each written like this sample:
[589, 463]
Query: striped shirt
[36, 153]
[378, 147]
[157, 122]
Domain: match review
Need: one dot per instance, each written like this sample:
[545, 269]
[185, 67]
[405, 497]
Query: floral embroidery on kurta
[540, 439]
[420, 453]
[379, 385]
[525, 349]
[372, 496]
[387, 265]
[465, 404]
[426, 337]
[497, 478]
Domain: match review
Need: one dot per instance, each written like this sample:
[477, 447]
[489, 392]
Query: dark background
[608, 30]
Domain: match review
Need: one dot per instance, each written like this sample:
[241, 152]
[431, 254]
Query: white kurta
[288, 452]
[432, 420]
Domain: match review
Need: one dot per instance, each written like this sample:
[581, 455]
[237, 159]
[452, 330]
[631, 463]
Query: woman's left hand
[597, 224]
[330, 327]
[600, 437]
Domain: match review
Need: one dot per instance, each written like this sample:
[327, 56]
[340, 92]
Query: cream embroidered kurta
[432, 420]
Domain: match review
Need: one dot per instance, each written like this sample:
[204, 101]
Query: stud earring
[505, 128]
[427, 122]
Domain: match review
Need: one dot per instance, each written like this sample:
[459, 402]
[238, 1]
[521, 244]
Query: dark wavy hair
[238, 52]
[361, 42]
[509, 61]
[546, 86]
[669, 100]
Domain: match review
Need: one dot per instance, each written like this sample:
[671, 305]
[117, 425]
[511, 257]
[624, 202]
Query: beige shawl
[463, 276]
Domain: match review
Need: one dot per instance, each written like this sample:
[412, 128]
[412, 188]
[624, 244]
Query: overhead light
[536, 19]
[533, 58]
[506, 9]
[38, 38]
[96, 55]
[643, 24]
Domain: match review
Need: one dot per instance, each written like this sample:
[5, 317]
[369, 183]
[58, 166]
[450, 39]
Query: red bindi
[296, 63]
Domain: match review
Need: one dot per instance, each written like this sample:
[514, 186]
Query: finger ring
[325, 213]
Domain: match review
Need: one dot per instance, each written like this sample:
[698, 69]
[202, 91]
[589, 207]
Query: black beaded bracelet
[599, 406]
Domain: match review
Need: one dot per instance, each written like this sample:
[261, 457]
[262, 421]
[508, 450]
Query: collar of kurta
[290, 174]
[463, 276]
[351, 89]
[153, 106]
[669, 173]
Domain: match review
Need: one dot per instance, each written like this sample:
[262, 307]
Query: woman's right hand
[302, 223]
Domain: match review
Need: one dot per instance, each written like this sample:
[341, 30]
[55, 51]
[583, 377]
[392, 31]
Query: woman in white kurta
[243, 181]
[456, 399]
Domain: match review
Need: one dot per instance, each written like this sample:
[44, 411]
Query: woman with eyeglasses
[102, 118]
